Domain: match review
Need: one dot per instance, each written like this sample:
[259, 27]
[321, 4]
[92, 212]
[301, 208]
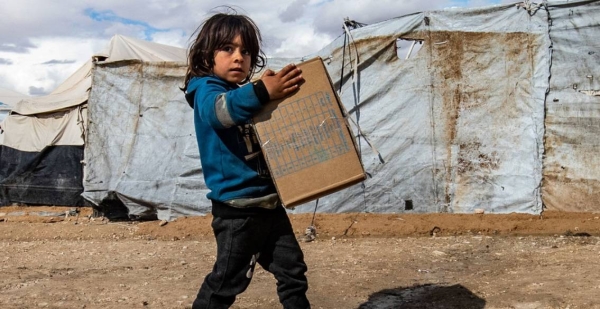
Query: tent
[41, 154]
[8, 98]
[497, 111]
[42, 148]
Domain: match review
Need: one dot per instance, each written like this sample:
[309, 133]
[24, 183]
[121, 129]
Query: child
[249, 222]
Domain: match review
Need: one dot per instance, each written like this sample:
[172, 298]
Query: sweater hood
[191, 90]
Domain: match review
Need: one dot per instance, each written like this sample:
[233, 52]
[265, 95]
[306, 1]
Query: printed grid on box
[303, 133]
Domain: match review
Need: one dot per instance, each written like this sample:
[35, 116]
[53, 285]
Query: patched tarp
[460, 124]
[141, 147]
[572, 165]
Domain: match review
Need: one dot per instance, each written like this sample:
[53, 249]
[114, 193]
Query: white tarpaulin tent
[459, 124]
[74, 92]
[41, 152]
[8, 98]
[42, 147]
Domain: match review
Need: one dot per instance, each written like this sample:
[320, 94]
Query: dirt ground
[368, 261]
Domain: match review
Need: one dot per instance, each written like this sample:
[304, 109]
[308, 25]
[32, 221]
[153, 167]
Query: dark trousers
[265, 237]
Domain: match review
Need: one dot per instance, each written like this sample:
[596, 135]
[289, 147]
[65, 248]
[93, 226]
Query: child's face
[232, 62]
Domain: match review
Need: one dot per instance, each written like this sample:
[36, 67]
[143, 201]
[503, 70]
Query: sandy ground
[49, 260]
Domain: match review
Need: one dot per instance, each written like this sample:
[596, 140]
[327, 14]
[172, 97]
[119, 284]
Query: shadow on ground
[427, 296]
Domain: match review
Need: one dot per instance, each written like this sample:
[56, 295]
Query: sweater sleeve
[223, 106]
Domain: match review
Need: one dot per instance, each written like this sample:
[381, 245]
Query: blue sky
[49, 40]
[110, 16]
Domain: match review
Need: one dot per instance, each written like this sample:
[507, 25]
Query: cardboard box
[307, 142]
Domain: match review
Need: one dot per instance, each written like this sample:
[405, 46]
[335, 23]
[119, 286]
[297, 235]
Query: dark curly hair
[216, 32]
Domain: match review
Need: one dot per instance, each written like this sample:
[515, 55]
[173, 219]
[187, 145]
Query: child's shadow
[427, 296]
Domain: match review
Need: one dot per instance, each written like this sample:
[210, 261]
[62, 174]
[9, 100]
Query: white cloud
[66, 33]
[174, 38]
[29, 70]
[294, 11]
[303, 42]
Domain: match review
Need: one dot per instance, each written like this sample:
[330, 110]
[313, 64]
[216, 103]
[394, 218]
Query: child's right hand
[282, 83]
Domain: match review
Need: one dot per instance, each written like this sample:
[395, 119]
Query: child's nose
[238, 55]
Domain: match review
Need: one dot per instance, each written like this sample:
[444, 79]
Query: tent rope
[531, 7]
[310, 232]
[354, 69]
[80, 122]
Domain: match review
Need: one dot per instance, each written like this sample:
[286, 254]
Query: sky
[43, 42]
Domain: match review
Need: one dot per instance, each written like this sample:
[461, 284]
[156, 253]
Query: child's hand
[282, 83]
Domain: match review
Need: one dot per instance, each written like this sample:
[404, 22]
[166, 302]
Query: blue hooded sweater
[232, 162]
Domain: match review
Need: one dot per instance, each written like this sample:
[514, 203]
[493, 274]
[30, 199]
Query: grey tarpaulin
[141, 143]
[459, 124]
[572, 165]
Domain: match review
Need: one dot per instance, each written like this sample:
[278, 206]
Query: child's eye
[245, 52]
[227, 49]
